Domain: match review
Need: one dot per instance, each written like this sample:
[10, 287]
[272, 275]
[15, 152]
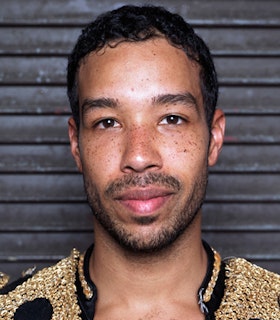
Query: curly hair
[140, 23]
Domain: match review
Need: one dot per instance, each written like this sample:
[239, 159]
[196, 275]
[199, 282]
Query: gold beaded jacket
[250, 292]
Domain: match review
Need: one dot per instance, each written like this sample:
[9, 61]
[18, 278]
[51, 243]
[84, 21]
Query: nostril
[140, 164]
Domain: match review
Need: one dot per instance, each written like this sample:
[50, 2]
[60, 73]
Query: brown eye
[172, 119]
[107, 123]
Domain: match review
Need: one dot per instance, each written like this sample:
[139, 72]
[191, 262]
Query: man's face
[143, 142]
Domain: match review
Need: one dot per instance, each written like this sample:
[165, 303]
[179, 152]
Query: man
[143, 92]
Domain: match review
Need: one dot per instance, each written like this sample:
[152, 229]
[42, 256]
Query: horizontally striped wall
[43, 213]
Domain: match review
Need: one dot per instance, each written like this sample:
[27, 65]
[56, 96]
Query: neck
[177, 271]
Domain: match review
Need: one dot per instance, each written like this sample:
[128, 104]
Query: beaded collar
[210, 292]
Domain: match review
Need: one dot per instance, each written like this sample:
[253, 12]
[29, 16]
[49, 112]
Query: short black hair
[140, 23]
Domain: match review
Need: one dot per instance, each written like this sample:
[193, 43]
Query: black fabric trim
[14, 284]
[39, 308]
[88, 306]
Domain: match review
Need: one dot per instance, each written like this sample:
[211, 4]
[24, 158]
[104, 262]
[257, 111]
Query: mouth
[144, 201]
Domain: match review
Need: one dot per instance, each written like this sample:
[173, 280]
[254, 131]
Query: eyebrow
[90, 103]
[186, 99]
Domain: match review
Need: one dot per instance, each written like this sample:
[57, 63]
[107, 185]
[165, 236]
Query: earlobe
[74, 142]
[217, 136]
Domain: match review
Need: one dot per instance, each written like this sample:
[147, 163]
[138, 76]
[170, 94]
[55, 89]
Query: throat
[152, 298]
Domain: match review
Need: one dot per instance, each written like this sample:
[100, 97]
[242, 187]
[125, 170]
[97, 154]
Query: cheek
[187, 148]
[99, 158]
[186, 145]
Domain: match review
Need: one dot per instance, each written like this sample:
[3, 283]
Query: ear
[73, 133]
[217, 136]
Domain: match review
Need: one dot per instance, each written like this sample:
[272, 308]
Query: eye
[172, 119]
[107, 123]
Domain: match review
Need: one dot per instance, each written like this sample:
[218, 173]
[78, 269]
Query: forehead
[149, 67]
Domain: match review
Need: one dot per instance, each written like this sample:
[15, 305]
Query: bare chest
[153, 314]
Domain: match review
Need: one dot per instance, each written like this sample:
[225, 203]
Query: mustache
[142, 181]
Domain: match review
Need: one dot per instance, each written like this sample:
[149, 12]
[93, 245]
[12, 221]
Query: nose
[141, 151]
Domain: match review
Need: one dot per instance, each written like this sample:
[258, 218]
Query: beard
[180, 218]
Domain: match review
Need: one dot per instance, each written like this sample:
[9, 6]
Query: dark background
[43, 213]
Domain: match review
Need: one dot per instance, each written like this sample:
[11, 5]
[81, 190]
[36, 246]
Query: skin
[144, 147]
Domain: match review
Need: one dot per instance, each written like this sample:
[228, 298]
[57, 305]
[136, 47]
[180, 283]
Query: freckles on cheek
[185, 145]
[101, 155]
[189, 149]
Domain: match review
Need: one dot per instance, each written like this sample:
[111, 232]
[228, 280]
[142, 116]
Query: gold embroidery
[251, 292]
[4, 279]
[28, 272]
[86, 289]
[56, 283]
[215, 273]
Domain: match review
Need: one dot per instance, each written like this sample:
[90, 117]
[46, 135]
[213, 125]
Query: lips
[144, 201]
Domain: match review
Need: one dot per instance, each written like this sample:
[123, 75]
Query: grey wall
[43, 212]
